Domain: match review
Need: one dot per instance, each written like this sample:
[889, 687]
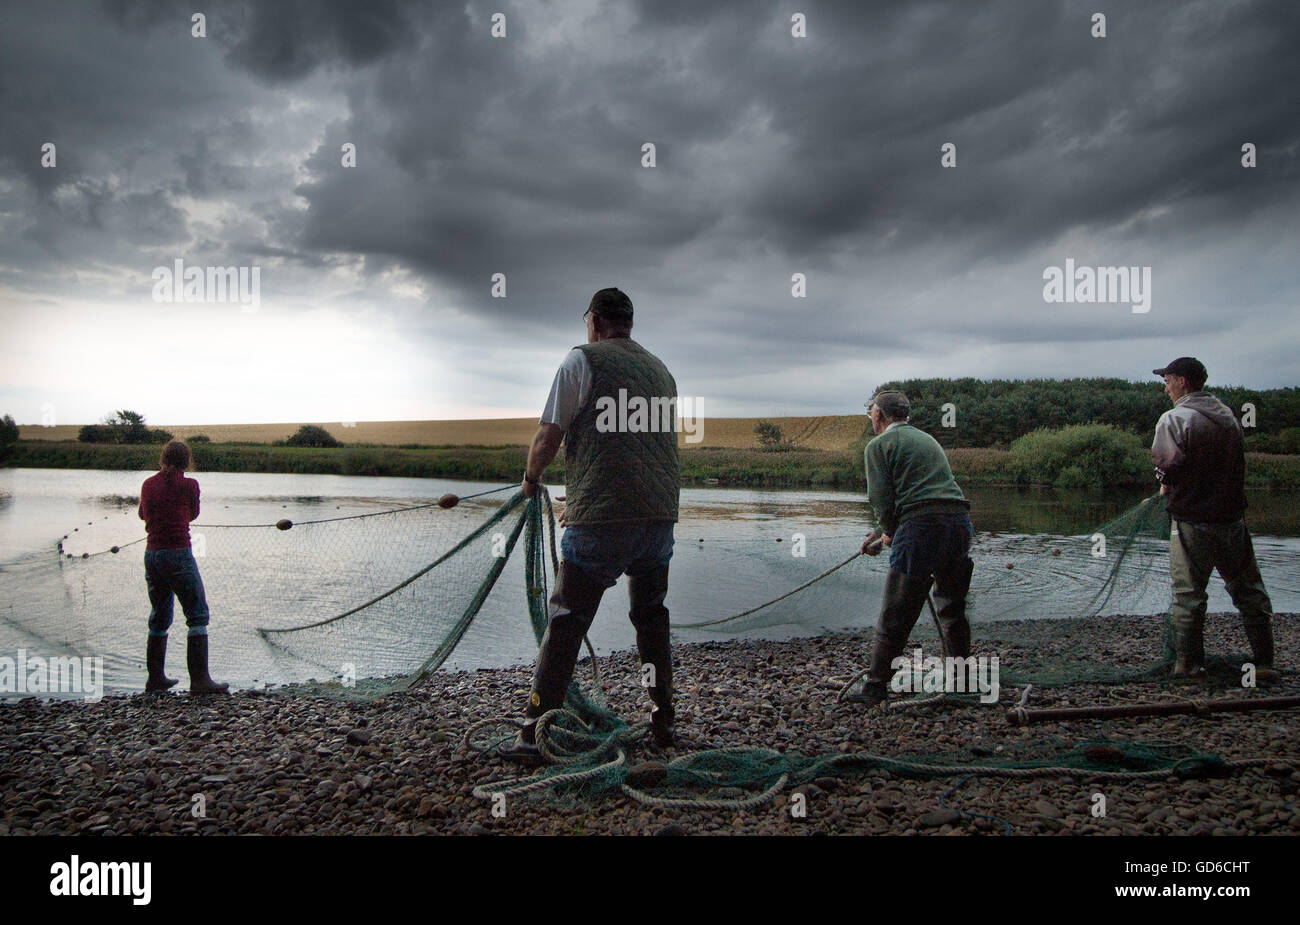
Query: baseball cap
[1189, 367]
[892, 403]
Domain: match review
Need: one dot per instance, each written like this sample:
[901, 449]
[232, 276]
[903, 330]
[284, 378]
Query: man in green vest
[925, 520]
[614, 405]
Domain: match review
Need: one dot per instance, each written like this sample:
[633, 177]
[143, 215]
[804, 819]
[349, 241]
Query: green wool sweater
[908, 474]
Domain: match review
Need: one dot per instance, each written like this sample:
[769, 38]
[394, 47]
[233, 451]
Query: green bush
[123, 427]
[312, 435]
[1286, 441]
[8, 432]
[96, 433]
[199, 438]
[769, 434]
[1081, 456]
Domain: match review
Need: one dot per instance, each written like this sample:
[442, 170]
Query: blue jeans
[931, 544]
[606, 551]
[170, 574]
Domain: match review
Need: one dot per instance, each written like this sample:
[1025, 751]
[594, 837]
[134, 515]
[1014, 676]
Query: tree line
[994, 413]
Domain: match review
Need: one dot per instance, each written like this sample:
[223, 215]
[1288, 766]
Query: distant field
[827, 432]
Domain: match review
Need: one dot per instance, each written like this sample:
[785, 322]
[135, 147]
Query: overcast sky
[522, 155]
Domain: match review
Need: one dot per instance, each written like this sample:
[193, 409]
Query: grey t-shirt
[569, 391]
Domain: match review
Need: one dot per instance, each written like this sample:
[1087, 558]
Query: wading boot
[950, 590]
[155, 658]
[950, 610]
[650, 618]
[573, 607]
[873, 694]
[196, 658]
[904, 597]
[1260, 637]
[524, 747]
[1189, 654]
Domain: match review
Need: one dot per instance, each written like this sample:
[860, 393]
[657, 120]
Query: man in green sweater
[925, 520]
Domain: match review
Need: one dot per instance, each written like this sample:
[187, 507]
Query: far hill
[827, 432]
[958, 412]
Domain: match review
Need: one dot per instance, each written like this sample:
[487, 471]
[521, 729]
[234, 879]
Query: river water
[736, 549]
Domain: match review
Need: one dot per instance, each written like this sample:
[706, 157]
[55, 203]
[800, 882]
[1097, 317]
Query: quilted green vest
[620, 452]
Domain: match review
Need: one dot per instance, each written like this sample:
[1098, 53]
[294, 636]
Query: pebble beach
[263, 763]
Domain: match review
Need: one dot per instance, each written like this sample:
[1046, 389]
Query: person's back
[918, 477]
[613, 404]
[623, 471]
[169, 500]
[924, 518]
[1200, 459]
[1200, 447]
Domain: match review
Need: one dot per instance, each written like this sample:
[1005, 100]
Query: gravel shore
[277, 765]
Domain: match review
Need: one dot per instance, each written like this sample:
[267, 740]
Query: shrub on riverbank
[1081, 456]
[312, 435]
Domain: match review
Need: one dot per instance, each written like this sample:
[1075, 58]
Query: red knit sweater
[168, 502]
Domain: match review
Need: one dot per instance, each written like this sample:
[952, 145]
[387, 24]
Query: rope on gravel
[518, 786]
[1022, 714]
[740, 803]
[894, 703]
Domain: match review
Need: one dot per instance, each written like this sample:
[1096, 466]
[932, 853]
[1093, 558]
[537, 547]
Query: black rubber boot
[904, 597]
[196, 658]
[950, 592]
[521, 750]
[154, 660]
[1189, 654]
[573, 607]
[650, 618]
[1260, 637]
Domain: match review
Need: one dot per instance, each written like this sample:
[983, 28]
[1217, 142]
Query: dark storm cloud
[522, 155]
[503, 162]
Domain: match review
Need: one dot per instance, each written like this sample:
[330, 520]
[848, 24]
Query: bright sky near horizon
[521, 154]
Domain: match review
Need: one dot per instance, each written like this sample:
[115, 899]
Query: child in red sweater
[168, 502]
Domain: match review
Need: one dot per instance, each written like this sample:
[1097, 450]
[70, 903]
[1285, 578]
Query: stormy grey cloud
[521, 155]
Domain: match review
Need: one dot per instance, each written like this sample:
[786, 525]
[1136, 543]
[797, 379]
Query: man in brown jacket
[1200, 460]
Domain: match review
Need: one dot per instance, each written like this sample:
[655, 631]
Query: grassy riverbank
[736, 466]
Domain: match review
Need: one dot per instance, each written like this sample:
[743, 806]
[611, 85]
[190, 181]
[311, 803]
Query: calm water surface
[736, 548]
